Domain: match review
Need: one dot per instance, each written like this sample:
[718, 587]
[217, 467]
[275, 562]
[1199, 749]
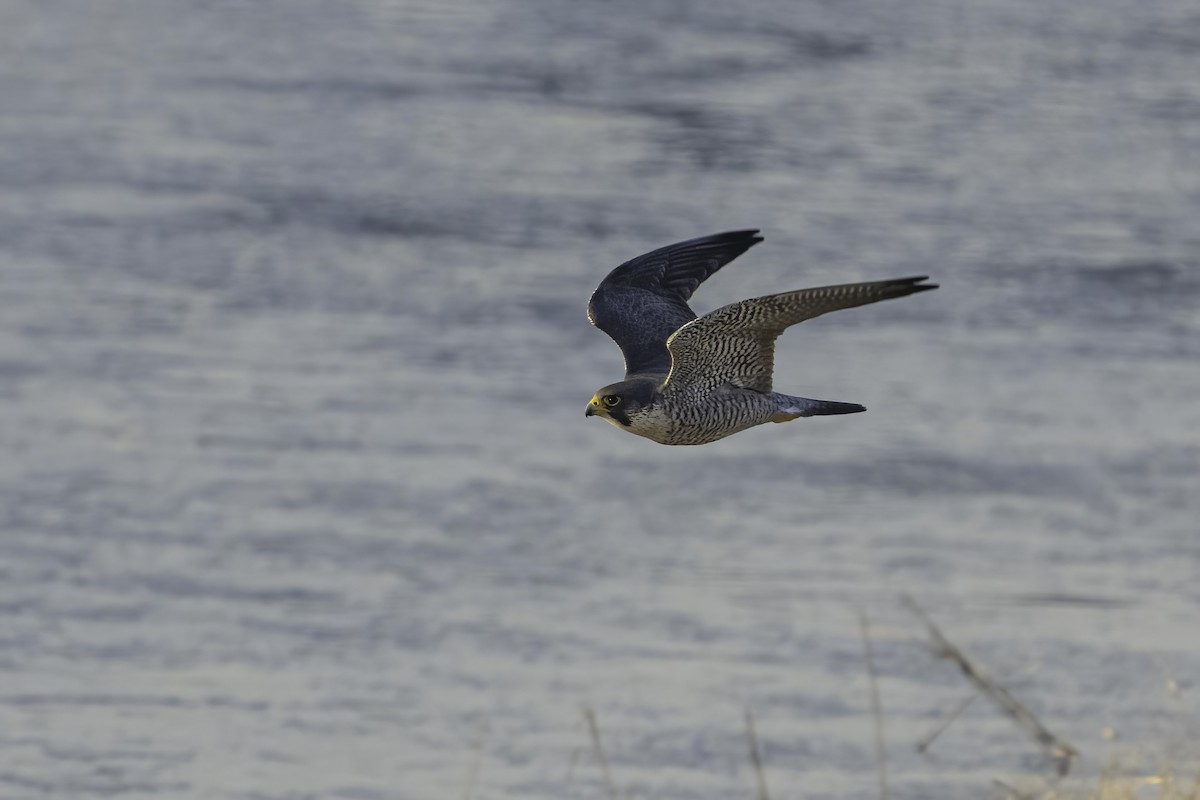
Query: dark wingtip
[751, 235]
[914, 285]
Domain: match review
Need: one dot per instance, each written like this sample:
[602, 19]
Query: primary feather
[736, 343]
[643, 301]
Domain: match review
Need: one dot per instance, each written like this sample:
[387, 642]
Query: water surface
[298, 499]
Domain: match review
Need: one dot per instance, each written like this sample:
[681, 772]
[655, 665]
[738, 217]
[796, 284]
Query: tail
[792, 407]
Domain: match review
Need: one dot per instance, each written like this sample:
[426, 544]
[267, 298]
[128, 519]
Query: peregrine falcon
[694, 381]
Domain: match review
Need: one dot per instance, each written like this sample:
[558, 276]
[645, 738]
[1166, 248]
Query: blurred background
[297, 497]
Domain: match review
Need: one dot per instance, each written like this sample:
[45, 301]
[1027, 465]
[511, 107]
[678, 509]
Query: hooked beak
[593, 409]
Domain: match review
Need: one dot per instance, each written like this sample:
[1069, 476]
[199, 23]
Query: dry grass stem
[876, 706]
[760, 777]
[1063, 753]
[924, 744]
[598, 747]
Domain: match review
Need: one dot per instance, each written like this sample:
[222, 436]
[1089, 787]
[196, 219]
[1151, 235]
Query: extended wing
[736, 343]
[644, 300]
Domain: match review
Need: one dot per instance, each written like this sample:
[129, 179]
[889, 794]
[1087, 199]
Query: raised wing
[736, 343]
[644, 300]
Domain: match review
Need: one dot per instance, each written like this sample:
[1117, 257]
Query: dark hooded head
[617, 401]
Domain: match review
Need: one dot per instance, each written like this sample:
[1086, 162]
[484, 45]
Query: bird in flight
[692, 380]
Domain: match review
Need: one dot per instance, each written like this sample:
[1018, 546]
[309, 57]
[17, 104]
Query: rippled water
[298, 499]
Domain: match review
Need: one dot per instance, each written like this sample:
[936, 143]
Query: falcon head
[617, 401]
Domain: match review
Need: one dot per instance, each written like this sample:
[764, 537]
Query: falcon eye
[610, 401]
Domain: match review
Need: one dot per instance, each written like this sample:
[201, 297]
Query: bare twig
[1063, 753]
[759, 775]
[876, 706]
[590, 715]
[924, 744]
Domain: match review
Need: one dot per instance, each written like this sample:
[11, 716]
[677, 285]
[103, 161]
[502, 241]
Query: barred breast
[699, 417]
